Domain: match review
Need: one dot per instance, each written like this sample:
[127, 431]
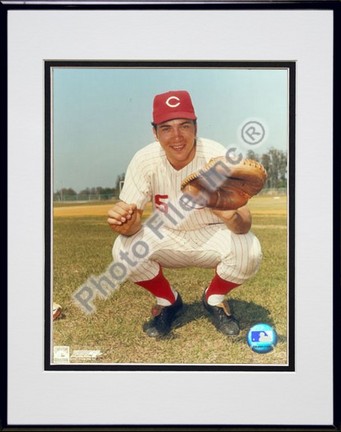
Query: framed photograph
[86, 133]
[78, 92]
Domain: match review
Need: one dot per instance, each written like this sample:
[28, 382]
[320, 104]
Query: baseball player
[175, 236]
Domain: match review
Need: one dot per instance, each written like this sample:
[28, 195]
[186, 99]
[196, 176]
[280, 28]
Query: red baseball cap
[172, 105]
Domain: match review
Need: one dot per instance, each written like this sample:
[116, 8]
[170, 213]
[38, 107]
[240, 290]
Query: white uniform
[176, 236]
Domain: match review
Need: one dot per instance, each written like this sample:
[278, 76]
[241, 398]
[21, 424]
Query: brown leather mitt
[222, 185]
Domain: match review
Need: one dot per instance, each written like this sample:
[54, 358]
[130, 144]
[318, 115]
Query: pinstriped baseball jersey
[150, 177]
[236, 257]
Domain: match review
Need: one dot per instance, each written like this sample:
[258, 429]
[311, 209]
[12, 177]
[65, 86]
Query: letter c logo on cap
[173, 105]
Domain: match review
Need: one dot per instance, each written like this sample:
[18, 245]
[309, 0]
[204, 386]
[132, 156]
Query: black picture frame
[5, 7]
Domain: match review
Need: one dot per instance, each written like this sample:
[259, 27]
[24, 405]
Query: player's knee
[251, 267]
[240, 268]
[255, 262]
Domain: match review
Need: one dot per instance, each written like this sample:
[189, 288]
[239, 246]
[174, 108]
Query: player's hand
[124, 218]
[238, 221]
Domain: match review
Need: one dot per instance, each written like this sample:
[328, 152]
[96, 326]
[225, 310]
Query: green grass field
[82, 243]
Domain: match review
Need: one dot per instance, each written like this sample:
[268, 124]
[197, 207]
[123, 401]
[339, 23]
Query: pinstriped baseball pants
[236, 257]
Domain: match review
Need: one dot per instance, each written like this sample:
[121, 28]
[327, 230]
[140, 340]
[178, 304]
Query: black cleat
[164, 316]
[222, 318]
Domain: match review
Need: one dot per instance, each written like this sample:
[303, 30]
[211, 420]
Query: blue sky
[102, 116]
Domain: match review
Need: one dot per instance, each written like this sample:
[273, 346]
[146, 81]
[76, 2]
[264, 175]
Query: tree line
[276, 164]
[274, 161]
[90, 194]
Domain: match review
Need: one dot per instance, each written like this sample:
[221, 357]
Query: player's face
[177, 138]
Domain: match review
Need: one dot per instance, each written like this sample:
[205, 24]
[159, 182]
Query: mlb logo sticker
[262, 338]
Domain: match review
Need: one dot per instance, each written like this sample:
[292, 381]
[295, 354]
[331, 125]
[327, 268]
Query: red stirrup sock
[160, 288]
[218, 289]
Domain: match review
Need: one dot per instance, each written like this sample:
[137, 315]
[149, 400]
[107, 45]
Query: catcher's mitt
[224, 186]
